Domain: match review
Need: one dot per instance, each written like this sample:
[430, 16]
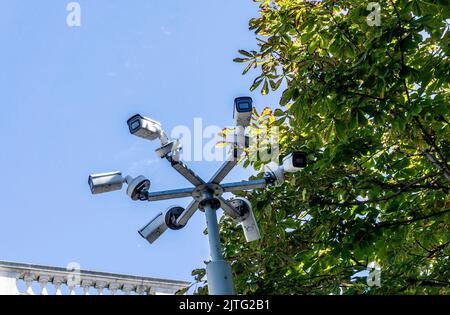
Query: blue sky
[65, 96]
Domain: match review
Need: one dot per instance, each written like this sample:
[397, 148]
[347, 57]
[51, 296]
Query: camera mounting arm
[170, 194]
[188, 212]
[245, 185]
[229, 210]
[228, 165]
[186, 172]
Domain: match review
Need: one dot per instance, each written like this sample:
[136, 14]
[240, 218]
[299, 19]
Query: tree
[370, 105]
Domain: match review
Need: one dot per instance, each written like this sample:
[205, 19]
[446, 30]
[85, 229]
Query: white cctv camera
[172, 149]
[153, 230]
[274, 174]
[247, 220]
[291, 163]
[242, 113]
[163, 221]
[137, 187]
[295, 161]
[105, 182]
[146, 128]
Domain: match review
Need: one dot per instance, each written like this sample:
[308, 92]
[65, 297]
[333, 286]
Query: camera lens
[299, 160]
[135, 124]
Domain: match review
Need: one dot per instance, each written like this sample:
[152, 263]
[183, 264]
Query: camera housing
[242, 112]
[138, 187]
[171, 148]
[250, 228]
[172, 215]
[146, 128]
[295, 161]
[247, 220]
[105, 182]
[153, 230]
[274, 174]
[159, 224]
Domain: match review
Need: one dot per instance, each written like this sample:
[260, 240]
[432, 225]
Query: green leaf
[354, 120]
[265, 88]
[340, 129]
[256, 83]
[278, 112]
[286, 96]
[275, 84]
[313, 45]
[245, 53]
[247, 68]
[304, 194]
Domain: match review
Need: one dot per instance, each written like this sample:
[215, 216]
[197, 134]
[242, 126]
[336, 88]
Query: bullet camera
[295, 161]
[172, 215]
[105, 182]
[242, 113]
[172, 148]
[146, 128]
[153, 230]
[292, 163]
[274, 174]
[247, 220]
[138, 187]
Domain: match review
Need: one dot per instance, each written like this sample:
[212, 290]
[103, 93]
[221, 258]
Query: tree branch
[439, 167]
[398, 223]
[437, 249]
[402, 190]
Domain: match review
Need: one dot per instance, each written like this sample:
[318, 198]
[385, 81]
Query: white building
[17, 278]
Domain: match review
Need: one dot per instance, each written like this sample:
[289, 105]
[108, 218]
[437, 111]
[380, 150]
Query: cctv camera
[274, 174]
[291, 163]
[146, 128]
[137, 187]
[153, 230]
[105, 182]
[172, 148]
[242, 206]
[250, 227]
[242, 113]
[172, 215]
[247, 220]
[295, 161]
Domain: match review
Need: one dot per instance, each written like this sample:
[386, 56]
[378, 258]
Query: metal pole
[213, 233]
[220, 279]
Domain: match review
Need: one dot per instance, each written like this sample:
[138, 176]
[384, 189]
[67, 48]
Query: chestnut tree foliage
[370, 105]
